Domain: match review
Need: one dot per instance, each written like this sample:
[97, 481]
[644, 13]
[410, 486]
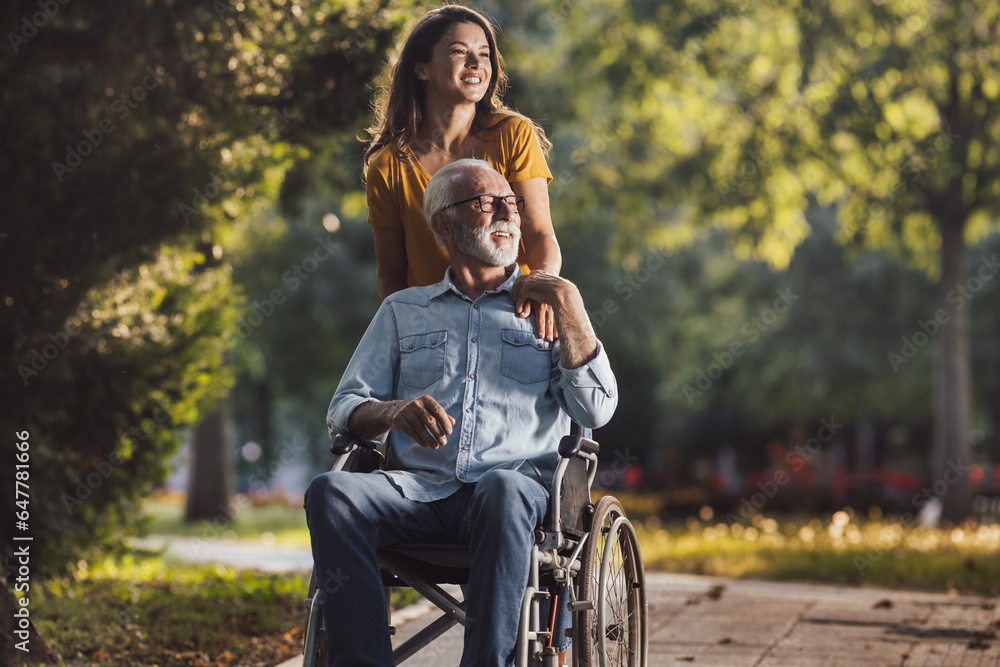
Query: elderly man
[478, 403]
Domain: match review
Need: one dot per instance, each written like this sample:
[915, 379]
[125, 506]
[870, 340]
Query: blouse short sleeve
[383, 198]
[395, 191]
[520, 154]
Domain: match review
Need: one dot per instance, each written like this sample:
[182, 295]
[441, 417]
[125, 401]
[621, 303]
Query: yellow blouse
[395, 190]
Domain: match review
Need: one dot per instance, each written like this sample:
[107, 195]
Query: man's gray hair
[441, 191]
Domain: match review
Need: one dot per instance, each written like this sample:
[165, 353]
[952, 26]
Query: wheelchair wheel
[615, 632]
[314, 650]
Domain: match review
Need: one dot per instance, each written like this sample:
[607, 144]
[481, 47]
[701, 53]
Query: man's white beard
[476, 242]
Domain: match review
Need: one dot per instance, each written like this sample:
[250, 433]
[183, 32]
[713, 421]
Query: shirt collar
[448, 284]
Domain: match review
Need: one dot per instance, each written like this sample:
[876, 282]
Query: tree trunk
[263, 397]
[952, 453]
[11, 644]
[210, 478]
[993, 402]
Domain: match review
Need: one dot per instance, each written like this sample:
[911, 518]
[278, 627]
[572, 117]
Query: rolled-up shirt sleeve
[589, 394]
[371, 373]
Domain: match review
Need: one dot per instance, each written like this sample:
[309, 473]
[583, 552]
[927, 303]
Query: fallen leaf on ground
[980, 639]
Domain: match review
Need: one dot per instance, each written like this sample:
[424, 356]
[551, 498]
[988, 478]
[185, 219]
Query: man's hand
[546, 318]
[579, 344]
[424, 420]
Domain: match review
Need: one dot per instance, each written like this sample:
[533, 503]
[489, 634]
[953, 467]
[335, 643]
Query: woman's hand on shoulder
[544, 315]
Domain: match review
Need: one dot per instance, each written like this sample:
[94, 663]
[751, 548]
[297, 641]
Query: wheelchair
[588, 549]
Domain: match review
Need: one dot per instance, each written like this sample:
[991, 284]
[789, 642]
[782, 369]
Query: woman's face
[459, 69]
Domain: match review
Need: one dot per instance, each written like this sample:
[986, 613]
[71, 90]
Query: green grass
[840, 549]
[273, 524]
[138, 609]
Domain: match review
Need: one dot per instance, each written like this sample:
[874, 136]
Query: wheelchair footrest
[582, 605]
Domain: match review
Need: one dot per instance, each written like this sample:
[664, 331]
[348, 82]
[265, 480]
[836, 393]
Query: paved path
[234, 553]
[735, 623]
[726, 622]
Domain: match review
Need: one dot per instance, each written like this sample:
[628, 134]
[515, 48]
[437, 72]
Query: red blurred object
[632, 477]
[775, 450]
[976, 474]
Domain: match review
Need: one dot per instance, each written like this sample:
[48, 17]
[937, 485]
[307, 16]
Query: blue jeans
[350, 515]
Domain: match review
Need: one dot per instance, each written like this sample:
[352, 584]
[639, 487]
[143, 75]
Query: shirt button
[474, 340]
[475, 306]
[468, 409]
[472, 376]
[465, 449]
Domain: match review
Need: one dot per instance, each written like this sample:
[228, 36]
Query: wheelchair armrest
[345, 442]
[571, 445]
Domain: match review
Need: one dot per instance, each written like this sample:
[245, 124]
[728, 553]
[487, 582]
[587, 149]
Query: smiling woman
[444, 104]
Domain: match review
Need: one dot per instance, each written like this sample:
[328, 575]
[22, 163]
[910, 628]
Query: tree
[309, 281]
[696, 333]
[909, 127]
[210, 481]
[138, 141]
[26, 637]
[713, 114]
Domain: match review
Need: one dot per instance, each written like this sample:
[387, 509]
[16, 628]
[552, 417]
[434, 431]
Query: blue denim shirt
[511, 399]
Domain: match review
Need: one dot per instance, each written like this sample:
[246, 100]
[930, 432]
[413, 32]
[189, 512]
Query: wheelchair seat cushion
[443, 555]
[442, 564]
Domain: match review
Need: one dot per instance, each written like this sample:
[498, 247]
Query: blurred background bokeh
[782, 214]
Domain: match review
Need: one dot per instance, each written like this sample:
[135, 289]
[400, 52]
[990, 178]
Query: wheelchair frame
[599, 566]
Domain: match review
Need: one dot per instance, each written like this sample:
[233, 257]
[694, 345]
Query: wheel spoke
[615, 633]
[618, 630]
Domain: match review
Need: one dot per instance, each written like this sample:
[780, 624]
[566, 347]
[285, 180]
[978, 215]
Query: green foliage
[107, 411]
[809, 342]
[696, 340]
[912, 111]
[716, 114]
[140, 141]
[291, 360]
[137, 609]
[317, 258]
[770, 123]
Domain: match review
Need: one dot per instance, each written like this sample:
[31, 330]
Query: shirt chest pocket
[525, 357]
[422, 358]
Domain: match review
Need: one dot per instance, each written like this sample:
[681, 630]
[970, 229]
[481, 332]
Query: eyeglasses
[491, 203]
